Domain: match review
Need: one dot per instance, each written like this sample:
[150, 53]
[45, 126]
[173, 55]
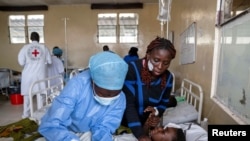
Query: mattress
[182, 113]
[4, 79]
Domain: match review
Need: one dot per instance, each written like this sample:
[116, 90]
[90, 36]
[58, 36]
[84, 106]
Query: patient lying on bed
[187, 131]
[170, 132]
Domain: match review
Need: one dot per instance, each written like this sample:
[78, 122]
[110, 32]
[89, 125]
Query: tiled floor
[9, 113]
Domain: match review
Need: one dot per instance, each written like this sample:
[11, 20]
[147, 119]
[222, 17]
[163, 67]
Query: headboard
[189, 105]
[41, 99]
[193, 94]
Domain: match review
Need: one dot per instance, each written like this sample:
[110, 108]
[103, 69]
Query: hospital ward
[124, 70]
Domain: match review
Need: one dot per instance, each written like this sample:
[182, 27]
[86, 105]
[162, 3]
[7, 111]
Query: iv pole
[161, 4]
[169, 2]
[66, 47]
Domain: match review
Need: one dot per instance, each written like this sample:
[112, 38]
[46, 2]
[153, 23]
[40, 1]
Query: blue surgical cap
[108, 70]
[57, 51]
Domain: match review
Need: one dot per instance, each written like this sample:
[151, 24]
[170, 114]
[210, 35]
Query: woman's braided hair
[157, 43]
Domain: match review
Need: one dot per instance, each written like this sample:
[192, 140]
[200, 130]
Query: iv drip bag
[164, 10]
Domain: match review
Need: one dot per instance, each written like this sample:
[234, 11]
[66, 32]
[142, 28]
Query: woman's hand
[151, 110]
[153, 121]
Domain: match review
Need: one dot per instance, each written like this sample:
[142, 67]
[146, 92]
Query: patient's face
[160, 134]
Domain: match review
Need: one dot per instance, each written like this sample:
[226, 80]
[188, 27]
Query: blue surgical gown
[76, 111]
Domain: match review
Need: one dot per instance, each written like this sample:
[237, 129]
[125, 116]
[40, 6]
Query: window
[231, 75]
[107, 28]
[16, 28]
[124, 30]
[20, 26]
[36, 23]
[228, 9]
[128, 28]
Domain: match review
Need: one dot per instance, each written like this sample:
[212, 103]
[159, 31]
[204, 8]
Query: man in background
[106, 48]
[34, 58]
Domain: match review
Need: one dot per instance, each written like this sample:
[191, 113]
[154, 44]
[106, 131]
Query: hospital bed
[189, 104]
[173, 85]
[41, 96]
[41, 99]
[4, 80]
[187, 111]
[75, 71]
[8, 77]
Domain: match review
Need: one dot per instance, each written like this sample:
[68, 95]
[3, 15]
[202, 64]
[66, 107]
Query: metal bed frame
[40, 100]
[189, 108]
[4, 80]
[194, 95]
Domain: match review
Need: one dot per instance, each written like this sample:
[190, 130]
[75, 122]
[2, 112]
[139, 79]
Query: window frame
[107, 20]
[27, 29]
[130, 20]
[118, 29]
[20, 26]
[215, 96]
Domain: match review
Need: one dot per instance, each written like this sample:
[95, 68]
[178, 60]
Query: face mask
[105, 100]
[150, 65]
[173, 125]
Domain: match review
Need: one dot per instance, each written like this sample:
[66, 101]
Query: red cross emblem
[35, 52]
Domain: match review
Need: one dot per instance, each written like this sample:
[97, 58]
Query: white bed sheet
[189, 105]
[194, 132]
[182, 113]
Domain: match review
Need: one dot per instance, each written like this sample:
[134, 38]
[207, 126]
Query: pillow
[194, 132]
[183, 112]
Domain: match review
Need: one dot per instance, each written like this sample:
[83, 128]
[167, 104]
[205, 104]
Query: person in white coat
[34, 58]
[57, 67]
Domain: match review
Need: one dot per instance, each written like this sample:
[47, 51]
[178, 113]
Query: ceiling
[237, 4]
[67, 2]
